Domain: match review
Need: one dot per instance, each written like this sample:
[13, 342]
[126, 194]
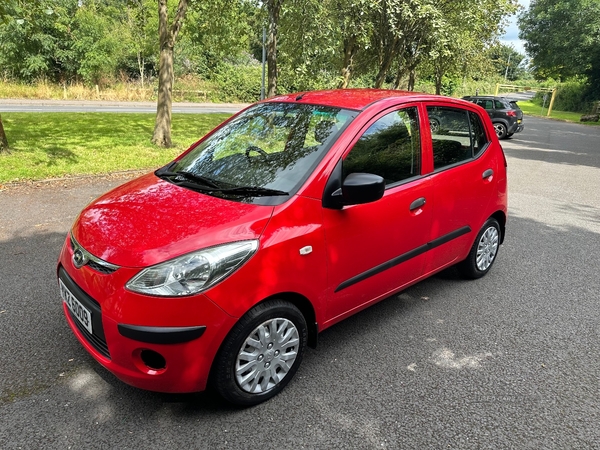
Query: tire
[500, 129]
[483, 252]
[434, 125]
[261, 353]
[509, 135]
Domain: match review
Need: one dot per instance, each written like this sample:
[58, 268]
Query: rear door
[463, 180]
[488, 105]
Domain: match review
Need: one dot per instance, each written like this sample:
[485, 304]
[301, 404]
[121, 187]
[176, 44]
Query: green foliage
[139, 32]
[570, 96]
[321, 43]
[507, 62]
[561, 36]
[237, 83]
[97, 43]
[33, 38]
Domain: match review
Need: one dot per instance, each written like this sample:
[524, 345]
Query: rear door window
[485, 103]
[458, 136]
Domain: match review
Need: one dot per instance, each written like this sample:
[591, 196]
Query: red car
[292, 215]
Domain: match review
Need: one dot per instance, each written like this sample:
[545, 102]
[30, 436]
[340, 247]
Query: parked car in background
[222, 266]
[506, 115]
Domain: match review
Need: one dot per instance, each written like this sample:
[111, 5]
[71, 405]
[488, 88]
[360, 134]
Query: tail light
[511, 113]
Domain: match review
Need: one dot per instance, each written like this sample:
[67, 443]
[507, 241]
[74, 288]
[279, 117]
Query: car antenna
[299, 97]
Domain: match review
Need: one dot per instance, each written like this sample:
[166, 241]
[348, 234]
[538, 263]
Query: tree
[507, 61]
[321, 40]
[459, 42]
[273, 12]
[355, 31]
[98, 44]
[561, 36]
[167, 37]
[33, 38]
[138, 20]
[3, 140]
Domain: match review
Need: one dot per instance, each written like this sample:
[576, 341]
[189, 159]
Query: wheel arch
[300, 302]
[501, 218]
[307, 310]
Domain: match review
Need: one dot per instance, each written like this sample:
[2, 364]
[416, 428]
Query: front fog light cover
[194, 272]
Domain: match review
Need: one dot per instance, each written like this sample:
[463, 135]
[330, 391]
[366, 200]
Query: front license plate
[80, 312]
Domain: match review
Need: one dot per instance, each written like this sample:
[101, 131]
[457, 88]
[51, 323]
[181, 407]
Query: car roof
[486, 97]
[357, 99]
[492, 97]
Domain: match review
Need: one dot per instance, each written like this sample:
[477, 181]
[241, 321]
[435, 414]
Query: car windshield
[262, 156]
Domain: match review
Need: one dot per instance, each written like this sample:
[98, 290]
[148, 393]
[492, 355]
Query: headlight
[194, 272]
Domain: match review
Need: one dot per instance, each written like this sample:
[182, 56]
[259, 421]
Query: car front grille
[98, 267]
[92, 261]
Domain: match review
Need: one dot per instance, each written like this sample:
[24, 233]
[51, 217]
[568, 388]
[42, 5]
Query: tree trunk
[274, 7]
[399, 75]
[411, 79]
[386, 63]
[3, 141]
[141, 66]
[349, 53]
[439, 75]
[167, 37]
[162, 125]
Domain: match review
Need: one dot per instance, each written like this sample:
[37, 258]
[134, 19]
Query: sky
[511, 37]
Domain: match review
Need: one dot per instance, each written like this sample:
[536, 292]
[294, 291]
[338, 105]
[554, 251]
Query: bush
[236, 83]
[570, 96]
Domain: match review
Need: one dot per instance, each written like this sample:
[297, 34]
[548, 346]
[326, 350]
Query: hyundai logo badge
[80, 259]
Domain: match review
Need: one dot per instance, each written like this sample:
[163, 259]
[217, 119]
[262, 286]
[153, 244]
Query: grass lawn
[532, 109]
[51, 145]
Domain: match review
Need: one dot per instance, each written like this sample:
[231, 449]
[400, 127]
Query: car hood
[149, 220]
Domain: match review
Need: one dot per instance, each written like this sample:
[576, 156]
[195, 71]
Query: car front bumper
[158, 344]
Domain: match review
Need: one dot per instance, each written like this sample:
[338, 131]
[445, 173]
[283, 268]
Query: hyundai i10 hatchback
[222, 266]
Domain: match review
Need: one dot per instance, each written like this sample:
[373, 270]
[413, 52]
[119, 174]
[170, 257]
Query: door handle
[488, 173]
[417, 203]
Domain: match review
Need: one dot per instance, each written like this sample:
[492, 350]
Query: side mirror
[357, 188]
[360, 188]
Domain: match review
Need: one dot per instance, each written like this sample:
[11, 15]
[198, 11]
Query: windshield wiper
[189, 176]
[204, 184]
[254, 191]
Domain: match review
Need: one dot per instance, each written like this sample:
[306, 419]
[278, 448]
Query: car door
[488, 105]
[375, 248]
[463, 180]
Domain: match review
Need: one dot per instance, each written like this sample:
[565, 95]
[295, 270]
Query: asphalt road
[24, 105]
[506, 362]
